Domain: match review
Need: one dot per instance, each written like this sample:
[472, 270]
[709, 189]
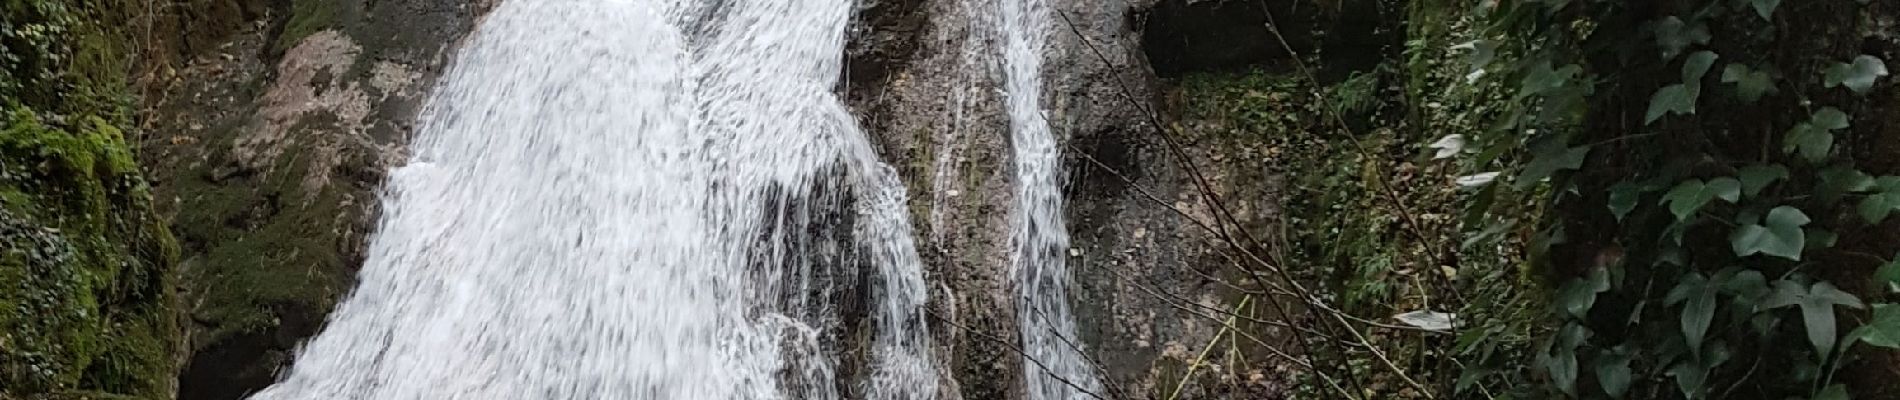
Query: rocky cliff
[267, 151]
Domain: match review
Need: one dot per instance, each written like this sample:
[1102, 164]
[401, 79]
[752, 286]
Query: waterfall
[1054, 365]
[619, 199]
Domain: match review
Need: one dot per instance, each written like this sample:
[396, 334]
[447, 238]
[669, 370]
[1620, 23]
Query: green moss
[267, 250]
[307, 17]
[87, 308]
[90, 305]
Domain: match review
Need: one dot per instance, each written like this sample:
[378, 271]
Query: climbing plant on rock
[1695, 157]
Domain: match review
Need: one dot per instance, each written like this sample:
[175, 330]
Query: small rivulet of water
[621, 199]
[1054, 366]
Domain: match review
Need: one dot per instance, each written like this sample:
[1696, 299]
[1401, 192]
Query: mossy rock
[90, 303]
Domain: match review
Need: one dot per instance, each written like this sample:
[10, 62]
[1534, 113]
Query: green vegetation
[307, 17]
[1704, 220]
[88, 309]
[1670, 200]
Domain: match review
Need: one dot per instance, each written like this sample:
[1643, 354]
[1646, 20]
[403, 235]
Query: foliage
[1687, 254]
[87, 309]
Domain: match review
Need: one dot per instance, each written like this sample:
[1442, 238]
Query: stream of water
[617, 199]
[1054, 365]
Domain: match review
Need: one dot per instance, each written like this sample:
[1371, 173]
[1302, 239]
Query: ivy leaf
[1757, 177]
[1689, 377]
[1745, 285]
[1839, 180]
[1578, 295]
[1812, 142]
[1697, 296]
[1542, 79]
[1833, 392]
[1673, 99]
[1780, 235]
[1820, 238]
[1690, 195]
[1765, 8]
[1613, 372]
[1889, 273]
[1548, 157]
[1673, 35]
[1817, 303]
[1623, 198]
[1858, 76]
[1875, 207]
[1696, 66]
[1815, 138]
[1830, 118]
[1750, 85]
[1883, 330]
[1561, 362]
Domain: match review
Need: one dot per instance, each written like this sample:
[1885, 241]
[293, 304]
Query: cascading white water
[615, 199]
[1054, 365]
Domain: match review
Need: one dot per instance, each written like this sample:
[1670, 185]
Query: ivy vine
[1693, 230]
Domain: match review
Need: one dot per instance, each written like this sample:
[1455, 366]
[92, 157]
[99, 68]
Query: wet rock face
[937, 115]
[266, 150]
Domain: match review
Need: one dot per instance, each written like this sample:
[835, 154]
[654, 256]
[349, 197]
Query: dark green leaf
[1548, 157]
[1623, 198]
[1561, 361]
[1698, 308]
[1543, 80]
[1779, 235]
[1470, 376]
[1690, 195]
[1747, 285]
[1673, 35]
[1883, 330]
[1812, 142]
[1563, 371]
[1764, 8]
[1689, 377]
[1756, 177]
[1830, 118]
[1613, 372]
[1833, 392]
[1750, 85]
[1889, 273]
[1886, 199]
[1786, 293]
[1837, 180]
[1817, 303]
[1875, 207]
[1673, 99]
[1577, 296]
[1820, 238]
[1696, 66]
[1858, 75]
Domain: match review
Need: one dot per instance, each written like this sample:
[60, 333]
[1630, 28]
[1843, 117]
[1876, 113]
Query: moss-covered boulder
[88, 305]
[88, 300]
